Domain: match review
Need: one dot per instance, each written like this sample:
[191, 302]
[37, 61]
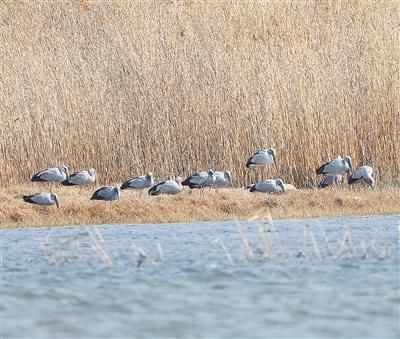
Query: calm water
[59, 282]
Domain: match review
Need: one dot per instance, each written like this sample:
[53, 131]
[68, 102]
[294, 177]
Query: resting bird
[139, 183]
[43, 199]
[268, 186]
[338, 166]
[108, 193]
[222, 179]
[200, 179]
[262, 158]
[362, 174]
[167, 187]
[54, 174]
[330, 180]
[81, 178]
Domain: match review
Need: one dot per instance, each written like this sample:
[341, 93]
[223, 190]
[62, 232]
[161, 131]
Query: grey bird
[42, 199]
[167, 187]
[362, 174]
[268, 186]
[262, 158]
[107, 193]
[330, 180]
[338, 166]
[222, 179]
[81, 178]
[139, 183]
[54, 174]
[200, 179]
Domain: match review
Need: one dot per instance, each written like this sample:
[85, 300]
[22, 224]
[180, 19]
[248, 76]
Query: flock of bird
[332, 171]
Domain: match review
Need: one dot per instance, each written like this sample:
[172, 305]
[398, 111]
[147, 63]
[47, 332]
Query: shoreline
[227, 204]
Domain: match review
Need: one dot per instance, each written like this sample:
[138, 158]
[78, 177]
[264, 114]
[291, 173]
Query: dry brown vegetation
[190, 206]
[178, 86]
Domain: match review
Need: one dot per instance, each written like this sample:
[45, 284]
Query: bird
[262, 158]
[200, 179]
[222, 179]
[81, 178]
[43, 199]
[107, 193]
[167, 187]
[54, 174]
[330, 180]
[268, 186]
[362, 174]
[338, 166]
[139, 182]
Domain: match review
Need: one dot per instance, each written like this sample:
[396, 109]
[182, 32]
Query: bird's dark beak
[57, 203]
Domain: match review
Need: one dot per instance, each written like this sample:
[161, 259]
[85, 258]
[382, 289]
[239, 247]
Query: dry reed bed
[178, 86]
[190, 206]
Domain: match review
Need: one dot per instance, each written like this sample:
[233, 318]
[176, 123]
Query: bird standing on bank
[107, 193]
[222, 179]
[261, 159]
[331, 180]
[338, 166]
[139, 182]
[42, 199]
[200, 180]
[81, 178]
[167, 187]
[268, 186]
[53, 174]
[362, 174]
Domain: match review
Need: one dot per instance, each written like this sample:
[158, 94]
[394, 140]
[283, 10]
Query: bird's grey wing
[334, 166]
[49, 174]
[198, 178]
[262, 158]
[105, 193]
[41, 198]
[137, 182]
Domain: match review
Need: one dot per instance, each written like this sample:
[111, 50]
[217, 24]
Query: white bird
[107, 193]
[262, 158]
[222, 179]
[167, 187]
[200, 179]
[139, 182]
[81, 178]
[362, 174]
[268, 186]
[54, 174]
[338, 166]
[330, 180]
[43, 199]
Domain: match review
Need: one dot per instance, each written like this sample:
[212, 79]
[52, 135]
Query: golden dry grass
[178, 86]
[227, 204]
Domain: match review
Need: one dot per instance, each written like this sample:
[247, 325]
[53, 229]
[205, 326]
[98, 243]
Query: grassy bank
[174, 87]
[226, 204]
